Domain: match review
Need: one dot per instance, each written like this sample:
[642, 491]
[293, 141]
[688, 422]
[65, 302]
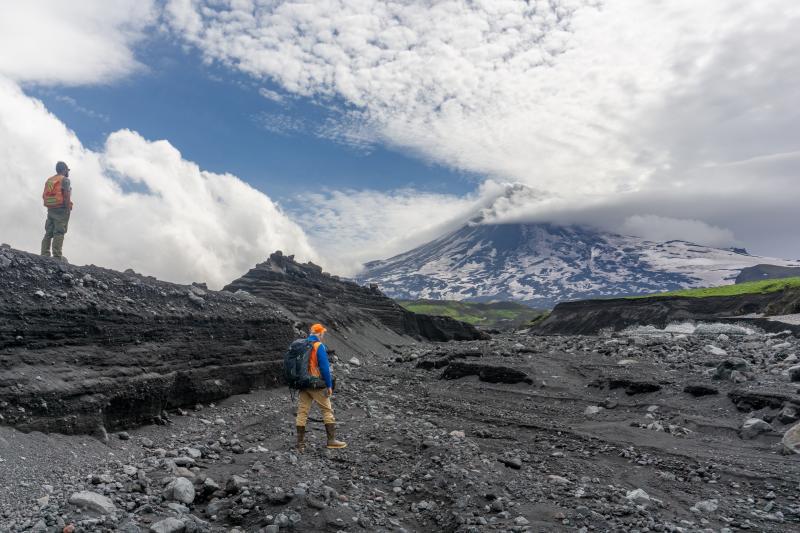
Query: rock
[183, 461]
[210, 486]
[521, 521]
[355, 361]
[705, 506]
[235, 484]
[715, 350]
[458, 434]
[196, 300]
[179, 489]
[753, 427]
[168, 525]
[639, 497]
[726, 367]
[592, 410]
[699, 389]
[788, 415]
[487, 373]
[794, 373]
[93, 501]
[123, 435]
[512, 462]
[791, 440]
[558, 480]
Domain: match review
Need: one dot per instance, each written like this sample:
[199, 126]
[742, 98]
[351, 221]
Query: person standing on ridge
[57, 198]
[320, 371]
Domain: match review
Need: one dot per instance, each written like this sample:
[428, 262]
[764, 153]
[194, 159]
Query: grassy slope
[479, 314]
[752, 287]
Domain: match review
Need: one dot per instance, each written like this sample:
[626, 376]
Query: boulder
[794, 373]
[179, 489]
[791, 440]
[753, 427]
[93, 502]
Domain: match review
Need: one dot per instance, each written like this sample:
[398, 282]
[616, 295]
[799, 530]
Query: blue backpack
[295, 365]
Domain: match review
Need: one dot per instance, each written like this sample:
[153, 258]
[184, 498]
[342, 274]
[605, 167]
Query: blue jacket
[322, 361]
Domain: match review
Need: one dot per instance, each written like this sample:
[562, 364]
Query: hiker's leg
[325, 405]
[48, 235]
[303, 406]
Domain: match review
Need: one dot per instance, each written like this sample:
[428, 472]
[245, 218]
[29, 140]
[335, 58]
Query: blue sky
[213, 115]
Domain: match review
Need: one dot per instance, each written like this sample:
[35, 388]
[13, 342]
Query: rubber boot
[330, 429]
[301, 439]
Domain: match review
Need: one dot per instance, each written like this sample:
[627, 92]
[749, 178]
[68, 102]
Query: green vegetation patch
[490, 315]
[753, 287]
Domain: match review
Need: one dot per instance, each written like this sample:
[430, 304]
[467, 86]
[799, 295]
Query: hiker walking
[57, 198]
[308, 370]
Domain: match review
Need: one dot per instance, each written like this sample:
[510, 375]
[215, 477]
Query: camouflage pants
[54, 230]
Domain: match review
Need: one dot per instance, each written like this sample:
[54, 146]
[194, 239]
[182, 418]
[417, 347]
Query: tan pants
[309, 396]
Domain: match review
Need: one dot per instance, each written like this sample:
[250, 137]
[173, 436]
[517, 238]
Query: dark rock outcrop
[84, 349]
[631, 386]
[699, 390]
[487, 373]
[312, 295]
[589, 317]
[762, 272]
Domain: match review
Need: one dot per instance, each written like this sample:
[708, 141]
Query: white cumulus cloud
[71, 43]
[621, 107]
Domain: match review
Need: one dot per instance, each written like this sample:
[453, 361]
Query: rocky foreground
[690, 429]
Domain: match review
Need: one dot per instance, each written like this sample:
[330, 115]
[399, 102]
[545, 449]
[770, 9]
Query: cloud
[661, 229]
[72, 43]
[351, 227]
[272, 95]
[138, 203]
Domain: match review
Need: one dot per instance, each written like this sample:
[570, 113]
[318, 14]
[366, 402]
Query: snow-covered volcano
[542, 264]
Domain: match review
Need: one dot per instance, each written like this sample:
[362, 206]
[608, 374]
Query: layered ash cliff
[90, 350]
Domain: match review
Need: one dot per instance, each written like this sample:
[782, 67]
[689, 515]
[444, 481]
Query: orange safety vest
[53, 195]
[313, 364]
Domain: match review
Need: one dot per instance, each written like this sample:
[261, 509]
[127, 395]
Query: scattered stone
[705, 506]
[168, 525]
[639, 497]
[93, 501]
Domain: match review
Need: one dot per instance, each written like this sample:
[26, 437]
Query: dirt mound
[588, 317]
[308, 293]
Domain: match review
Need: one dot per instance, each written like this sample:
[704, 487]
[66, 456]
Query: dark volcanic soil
[602, 437]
